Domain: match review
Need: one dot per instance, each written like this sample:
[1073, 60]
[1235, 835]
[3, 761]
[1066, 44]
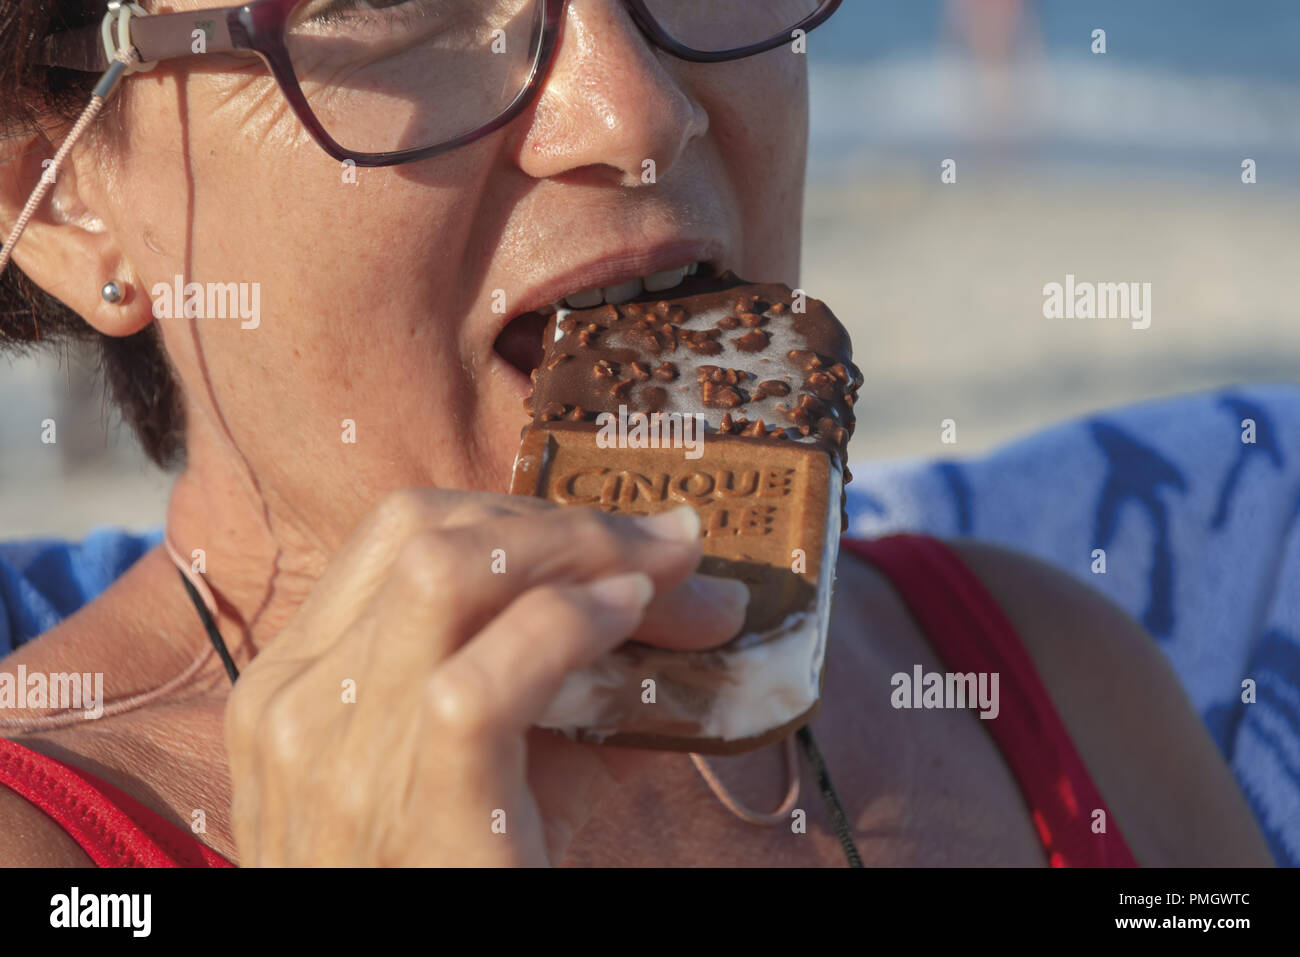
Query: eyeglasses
[383, 82]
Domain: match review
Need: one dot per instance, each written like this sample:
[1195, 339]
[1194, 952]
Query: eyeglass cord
[124, 62]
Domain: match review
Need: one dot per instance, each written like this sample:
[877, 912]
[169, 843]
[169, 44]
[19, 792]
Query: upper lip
[618, 266]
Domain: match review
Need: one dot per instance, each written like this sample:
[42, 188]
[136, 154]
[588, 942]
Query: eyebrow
[159, 36]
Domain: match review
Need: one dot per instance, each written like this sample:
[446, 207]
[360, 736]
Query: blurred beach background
[1123, 166]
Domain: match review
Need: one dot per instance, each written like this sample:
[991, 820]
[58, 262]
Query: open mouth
[520, 342]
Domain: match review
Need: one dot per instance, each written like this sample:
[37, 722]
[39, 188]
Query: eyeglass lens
[389, 75]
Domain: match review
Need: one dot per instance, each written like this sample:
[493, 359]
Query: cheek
[332, 251]
[212, 162]
[229, 188]
[758, 123]
[763, 99]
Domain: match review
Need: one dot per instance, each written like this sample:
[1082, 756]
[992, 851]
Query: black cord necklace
[839, 820]
[210, 627]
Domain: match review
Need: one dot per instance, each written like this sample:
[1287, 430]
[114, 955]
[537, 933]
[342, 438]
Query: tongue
[520, 342]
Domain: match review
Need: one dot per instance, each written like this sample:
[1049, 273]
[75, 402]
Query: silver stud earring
[111, 292]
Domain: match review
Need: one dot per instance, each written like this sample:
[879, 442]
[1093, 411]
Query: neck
[258, 567]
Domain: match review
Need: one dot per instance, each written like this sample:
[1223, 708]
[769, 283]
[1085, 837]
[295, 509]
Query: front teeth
[585, 300]
[665, 280]
[657, 282]
[623, 291]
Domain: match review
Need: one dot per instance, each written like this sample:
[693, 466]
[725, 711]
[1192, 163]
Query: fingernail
[682, 524]
[630, 592]
[727, 592]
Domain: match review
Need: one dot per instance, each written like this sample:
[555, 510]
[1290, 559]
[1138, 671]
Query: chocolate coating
[755, 361]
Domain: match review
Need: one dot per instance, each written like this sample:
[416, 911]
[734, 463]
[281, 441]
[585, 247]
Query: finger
[400, 516]
[447, 585]
[702, 612]
[357, 571]
[582, 544]
[579, 544]
[504, 680]
[457, 581]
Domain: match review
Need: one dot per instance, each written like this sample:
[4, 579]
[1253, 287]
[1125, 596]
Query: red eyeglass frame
[260, 27]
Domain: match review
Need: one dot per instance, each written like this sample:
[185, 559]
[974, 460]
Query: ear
[66, 249]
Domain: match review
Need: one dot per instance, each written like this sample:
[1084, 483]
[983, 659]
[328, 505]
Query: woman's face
[381, 290]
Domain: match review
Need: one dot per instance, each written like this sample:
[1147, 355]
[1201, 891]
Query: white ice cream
[751, 686]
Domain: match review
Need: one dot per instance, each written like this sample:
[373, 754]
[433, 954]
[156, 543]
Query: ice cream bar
[736, 399]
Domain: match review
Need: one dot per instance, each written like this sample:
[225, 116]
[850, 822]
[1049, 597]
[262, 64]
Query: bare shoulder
[1150, 754]
[30, 838]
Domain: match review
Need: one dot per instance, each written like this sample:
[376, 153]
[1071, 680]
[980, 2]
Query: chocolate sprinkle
[753, 341]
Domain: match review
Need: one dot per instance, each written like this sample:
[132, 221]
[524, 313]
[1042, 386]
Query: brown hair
[137, 377]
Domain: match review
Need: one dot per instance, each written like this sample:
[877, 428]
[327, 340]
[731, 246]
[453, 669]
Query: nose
[610, 103]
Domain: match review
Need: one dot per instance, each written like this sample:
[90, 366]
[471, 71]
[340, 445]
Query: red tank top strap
[971, 633]
[113, 828]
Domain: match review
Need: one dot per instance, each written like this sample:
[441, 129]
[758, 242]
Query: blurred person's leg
[996, 38]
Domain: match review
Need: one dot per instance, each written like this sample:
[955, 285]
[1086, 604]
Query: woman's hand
[386, 724]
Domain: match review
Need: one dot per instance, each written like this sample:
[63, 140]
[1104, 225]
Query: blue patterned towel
[1196, 502]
